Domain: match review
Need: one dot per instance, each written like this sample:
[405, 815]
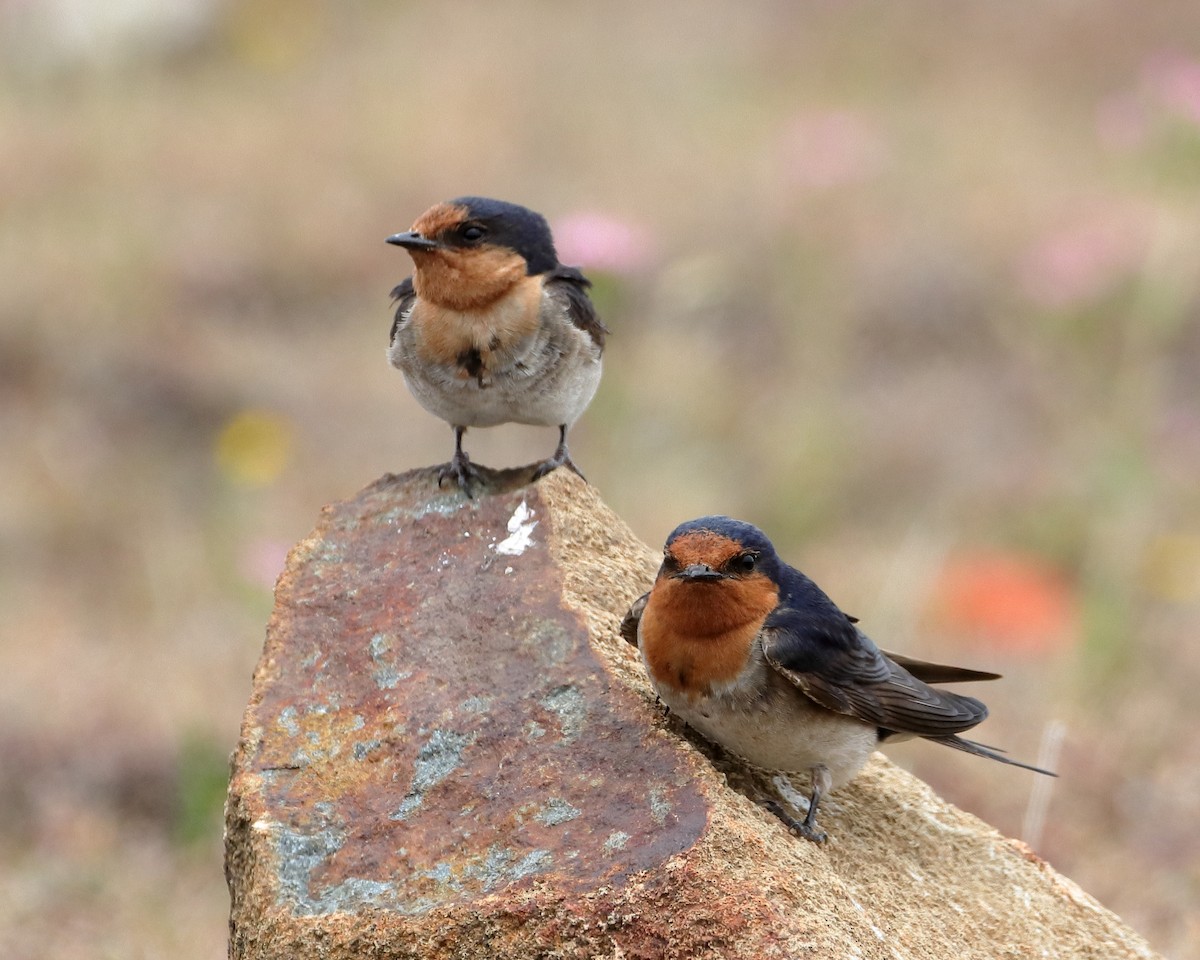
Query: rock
[449, 752]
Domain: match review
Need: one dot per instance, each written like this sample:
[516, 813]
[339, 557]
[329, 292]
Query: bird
[753, 655]
[491, 328]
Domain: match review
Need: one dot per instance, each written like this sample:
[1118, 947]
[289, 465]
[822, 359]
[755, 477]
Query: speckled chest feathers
[476, 341]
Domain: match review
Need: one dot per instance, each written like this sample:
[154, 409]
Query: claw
[460, 469]
[561, 458]
[462, 472]
[806, 828]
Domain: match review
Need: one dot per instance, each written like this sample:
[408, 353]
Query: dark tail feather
[992, 753]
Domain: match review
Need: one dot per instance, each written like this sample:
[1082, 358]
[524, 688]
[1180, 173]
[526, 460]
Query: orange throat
[699, 636]
[466, 279]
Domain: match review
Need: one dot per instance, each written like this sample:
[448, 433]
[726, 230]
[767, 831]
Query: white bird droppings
[520, 532]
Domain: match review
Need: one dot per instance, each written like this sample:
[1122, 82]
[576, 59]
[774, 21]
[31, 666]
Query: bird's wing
[403, 297]
[629, 625]
[572, 286]
[836, 665]
[938, 672]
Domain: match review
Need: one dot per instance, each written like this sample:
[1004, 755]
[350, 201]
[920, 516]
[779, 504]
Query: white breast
[764, 719]
[547, 379]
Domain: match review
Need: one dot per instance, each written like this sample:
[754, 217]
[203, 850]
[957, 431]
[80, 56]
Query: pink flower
[829, 148]
[597, 241]
[1082, 260]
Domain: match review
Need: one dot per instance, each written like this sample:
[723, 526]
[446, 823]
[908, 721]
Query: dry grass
[917, 282]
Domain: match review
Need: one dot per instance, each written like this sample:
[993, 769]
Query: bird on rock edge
[754, 656]
[491, 328]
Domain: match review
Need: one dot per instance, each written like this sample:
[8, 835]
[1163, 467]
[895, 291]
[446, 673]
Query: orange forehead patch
[440, 217]
[704, 546]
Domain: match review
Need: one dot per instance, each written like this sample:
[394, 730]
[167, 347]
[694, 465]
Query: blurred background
[914, 287]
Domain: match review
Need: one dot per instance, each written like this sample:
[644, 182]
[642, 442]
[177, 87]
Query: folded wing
[835, 664]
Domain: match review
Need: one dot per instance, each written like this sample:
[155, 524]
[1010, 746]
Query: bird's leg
[459, 469]
[807, 828]
[821, 782]
[561, 458]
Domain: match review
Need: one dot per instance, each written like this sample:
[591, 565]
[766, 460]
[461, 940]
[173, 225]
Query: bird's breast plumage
[521, 360]
[477, 342]
[766, 721]
[698, 637]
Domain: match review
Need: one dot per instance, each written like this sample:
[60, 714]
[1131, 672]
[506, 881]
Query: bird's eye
[743, 562]
[472, 233]
[669, 562]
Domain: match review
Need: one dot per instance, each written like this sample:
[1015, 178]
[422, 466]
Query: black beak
[412, 241]
[699, 572]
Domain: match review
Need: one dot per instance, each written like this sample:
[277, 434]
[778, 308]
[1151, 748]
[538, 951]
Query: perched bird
[491, 328]
[753, 655]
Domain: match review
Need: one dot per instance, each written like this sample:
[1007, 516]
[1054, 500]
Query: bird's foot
[805, 828]
[561, 458]
[461, 471]
[548, 466]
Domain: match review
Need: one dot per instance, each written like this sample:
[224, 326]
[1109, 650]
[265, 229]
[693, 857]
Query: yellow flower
[254, 447]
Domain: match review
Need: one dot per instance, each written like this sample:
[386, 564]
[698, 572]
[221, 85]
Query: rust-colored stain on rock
[433, 725]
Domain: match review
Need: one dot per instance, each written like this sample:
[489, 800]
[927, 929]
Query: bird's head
[469, 252]
[718, 549]
[717, 571]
